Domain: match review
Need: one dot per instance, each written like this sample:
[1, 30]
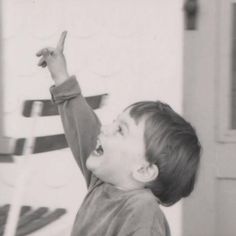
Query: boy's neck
[129, 186]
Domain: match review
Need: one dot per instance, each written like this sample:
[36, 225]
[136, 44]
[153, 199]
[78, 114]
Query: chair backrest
[30, 219]
[49, 142]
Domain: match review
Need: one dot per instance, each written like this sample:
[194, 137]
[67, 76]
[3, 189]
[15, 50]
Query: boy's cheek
[110, 145]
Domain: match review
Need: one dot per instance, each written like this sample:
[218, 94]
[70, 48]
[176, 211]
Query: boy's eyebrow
[125, 124]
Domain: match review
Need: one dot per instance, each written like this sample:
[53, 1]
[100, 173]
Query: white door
[210, 103]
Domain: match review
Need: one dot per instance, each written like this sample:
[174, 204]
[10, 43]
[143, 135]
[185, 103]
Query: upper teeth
[98, 150]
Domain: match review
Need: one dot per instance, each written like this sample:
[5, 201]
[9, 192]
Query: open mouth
[99, 149]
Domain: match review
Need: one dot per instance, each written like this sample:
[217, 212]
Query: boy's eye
[120, 130]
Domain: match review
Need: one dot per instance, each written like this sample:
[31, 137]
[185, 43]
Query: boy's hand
[54, 59]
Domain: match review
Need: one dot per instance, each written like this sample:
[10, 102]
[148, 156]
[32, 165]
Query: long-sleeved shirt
[106, 210]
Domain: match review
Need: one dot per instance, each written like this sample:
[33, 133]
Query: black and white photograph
[117, 118]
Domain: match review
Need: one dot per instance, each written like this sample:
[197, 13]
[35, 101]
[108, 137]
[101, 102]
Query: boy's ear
[145, 174]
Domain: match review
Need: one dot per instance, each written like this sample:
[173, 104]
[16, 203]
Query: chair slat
[4, 209]
[42, 144]
[31, 220]
[41, 222]
[24, 210]
[4, 214]
[5, 150]
[31, 216]
[6, 158]
[50, 109]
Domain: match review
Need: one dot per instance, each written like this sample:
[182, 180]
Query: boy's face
[123, 150]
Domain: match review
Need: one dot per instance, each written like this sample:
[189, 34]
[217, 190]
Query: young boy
[148, 156]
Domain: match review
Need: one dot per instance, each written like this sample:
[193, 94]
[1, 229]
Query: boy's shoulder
[139, 201]
[144, 200]
[136, 209]
[146, 211]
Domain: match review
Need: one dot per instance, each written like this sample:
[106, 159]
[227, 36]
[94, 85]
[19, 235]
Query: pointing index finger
[61, 43]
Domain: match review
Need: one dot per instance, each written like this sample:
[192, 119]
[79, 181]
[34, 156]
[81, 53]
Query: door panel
[210, 104]
[226, 207]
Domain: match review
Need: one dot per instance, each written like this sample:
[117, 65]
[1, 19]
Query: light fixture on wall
[191, 10]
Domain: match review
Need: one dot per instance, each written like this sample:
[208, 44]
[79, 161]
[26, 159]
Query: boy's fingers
[45, 51]
[39, 53]
[41, 61]
[44, 64]
[61, 43]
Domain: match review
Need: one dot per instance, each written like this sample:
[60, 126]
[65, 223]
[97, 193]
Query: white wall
[131, 49]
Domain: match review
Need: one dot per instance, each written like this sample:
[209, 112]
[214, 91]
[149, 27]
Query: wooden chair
[50, 142]
[30, 218]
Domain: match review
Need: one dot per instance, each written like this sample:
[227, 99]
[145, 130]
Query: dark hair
[172, 144]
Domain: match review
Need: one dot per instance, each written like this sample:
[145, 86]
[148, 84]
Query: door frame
[199, 108]
[206, 106]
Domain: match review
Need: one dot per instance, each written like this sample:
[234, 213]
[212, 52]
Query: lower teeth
[98, 150]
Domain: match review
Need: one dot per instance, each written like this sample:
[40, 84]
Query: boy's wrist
[60, 79]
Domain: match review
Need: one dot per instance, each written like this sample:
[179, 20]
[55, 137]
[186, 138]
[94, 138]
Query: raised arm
[80, 123]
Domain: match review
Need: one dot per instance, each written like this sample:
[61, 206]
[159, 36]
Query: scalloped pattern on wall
[130, 49]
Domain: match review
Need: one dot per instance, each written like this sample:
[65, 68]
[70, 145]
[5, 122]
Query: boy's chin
[93, 162]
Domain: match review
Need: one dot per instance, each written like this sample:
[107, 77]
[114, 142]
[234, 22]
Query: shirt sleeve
[79, 121]
[149, 232]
